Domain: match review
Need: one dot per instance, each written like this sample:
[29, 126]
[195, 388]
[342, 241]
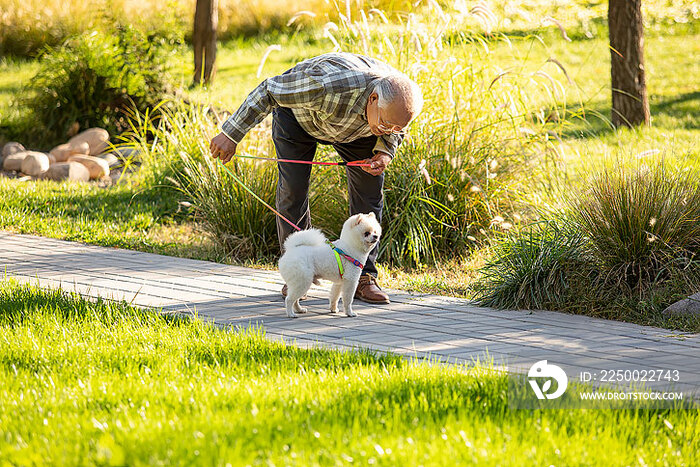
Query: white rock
[97, 139]
[63, 151]
[72, 171]
[14, 161]
[12, 148]
[111, 159]
[97, 167]
[35, 163]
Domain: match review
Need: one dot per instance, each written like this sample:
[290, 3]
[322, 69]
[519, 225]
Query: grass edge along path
[105, 383]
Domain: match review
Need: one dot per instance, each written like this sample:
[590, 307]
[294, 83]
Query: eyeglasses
[391, 129]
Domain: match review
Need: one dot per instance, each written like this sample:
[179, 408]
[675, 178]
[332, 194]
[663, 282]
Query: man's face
[391, 120]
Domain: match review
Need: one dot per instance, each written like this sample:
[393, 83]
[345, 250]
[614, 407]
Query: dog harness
[338, 253]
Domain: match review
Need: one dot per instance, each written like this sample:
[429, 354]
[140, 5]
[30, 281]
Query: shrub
[627, 248]
[91, 80]
[532, 269]
[638, 222]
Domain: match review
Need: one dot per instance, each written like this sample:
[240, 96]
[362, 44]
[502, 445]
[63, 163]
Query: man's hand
[379, 162]
[222, 147]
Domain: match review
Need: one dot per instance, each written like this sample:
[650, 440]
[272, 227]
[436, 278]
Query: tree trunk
[630, 105]
[206, 19]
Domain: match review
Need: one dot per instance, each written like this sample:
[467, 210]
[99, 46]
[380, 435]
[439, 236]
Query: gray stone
[126, 152]
[14, 161]
[11, 148]
[687, 307]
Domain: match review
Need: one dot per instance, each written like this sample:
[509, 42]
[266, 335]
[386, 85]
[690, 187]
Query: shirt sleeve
[292, 90]
[388, 144]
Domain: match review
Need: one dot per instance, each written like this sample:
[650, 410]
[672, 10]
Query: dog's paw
[334, 310]
[302, 309]
[350, 314]
[291, 314]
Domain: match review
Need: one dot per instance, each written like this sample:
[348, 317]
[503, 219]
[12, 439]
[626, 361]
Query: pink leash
[240, 182]
[294, 161]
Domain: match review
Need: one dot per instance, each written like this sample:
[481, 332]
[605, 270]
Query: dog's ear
[371, 214]
[359, 219]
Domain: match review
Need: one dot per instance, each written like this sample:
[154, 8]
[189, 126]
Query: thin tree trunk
[630, 105]
[206, 19]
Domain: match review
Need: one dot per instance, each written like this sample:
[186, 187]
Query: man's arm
[293, 90]
[388, 144]
[222, 147]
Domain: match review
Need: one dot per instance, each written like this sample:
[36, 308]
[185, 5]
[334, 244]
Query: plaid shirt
[327, 94]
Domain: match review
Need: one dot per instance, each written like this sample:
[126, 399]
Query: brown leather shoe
[368, 291]
[284, 293]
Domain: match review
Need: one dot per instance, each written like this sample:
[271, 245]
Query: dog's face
[364, 229]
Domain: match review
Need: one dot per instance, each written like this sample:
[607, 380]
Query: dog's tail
[311, 237]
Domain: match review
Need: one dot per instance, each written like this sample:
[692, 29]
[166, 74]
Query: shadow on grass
[672, 112]
[116, 204]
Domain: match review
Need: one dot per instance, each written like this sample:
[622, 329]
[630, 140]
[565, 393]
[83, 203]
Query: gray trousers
[293, 142]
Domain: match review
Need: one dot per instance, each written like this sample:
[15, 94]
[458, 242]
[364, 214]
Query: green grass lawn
[122, 216]
[13, 75]
[103, 383]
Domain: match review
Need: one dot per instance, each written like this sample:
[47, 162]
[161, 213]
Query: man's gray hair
[398, 86]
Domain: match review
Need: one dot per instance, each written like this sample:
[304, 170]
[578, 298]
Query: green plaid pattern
[327, 95]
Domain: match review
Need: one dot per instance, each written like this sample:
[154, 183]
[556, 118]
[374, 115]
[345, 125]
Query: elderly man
[355, 103]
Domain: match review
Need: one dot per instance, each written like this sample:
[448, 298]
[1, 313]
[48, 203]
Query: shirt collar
[361, 103]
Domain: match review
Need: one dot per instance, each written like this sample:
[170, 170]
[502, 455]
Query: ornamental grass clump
[461, 164]
[639, 223]
[533, 268]
[626, 248]
[460, 167]
[174, 148]
[241, 224]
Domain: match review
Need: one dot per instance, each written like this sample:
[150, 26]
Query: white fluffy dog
[308, 257]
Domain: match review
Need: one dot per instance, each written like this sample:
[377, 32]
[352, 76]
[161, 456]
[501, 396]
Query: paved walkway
[416, 325]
